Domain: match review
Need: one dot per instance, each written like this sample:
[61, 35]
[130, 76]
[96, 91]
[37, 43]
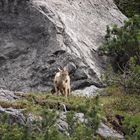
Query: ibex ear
[59, 69]
[65, 69]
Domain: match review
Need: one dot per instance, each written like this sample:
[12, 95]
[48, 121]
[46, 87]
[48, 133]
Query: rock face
[17, 116]
[38, 36]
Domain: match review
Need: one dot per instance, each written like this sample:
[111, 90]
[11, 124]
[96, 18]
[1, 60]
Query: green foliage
[123, 45]
[129, 7]
[127, 103]
[78, 130]
[128, 80]
[131, 127]
[94, 115]
[9, 132]
[35, 102]
[123, 42]
[87, 129]
[45, 108]
[132, 82]
[43, 130]
[125, 106]
[82, 132]
[71, 120]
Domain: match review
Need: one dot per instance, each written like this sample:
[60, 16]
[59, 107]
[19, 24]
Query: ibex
[62, 82]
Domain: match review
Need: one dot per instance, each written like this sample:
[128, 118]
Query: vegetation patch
[122, 112]
[46, 108]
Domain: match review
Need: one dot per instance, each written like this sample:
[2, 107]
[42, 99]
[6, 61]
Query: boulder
[106, 132]
[6, 95]
[13, 115]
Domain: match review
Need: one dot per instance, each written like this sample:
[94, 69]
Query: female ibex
[62, 82]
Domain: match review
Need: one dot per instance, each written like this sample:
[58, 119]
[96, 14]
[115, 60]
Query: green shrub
[127, 82]
[122, 44]
[86, 130]
[127, 104]
[44, 128]
[129, 7]
[131, 127]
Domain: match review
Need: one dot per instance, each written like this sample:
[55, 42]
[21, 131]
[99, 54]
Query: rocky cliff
[38, 36]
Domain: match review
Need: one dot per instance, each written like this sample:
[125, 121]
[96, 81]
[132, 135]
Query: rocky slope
[18, 112]
[38, 36]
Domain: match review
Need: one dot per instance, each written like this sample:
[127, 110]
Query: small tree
[124, 42]
[123, 45]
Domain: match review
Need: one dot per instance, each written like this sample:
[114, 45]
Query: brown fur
[62, 82]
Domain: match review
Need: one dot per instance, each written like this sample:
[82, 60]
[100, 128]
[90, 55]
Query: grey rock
[6, 95]
[82, 84]
[62, 125]
[80, 74]
[103, 131]
[14, 115]
[80, 117]
[38, 36]
[62, 115]
[88, 91]
[71, 67]
[107, 132]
